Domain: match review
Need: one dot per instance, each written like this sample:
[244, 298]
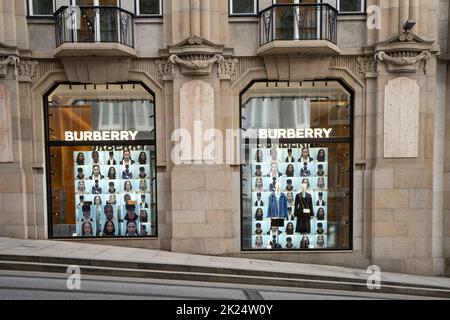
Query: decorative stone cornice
[404, 61]
[7, 63]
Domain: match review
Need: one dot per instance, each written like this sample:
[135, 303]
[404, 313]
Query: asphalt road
[43, 286]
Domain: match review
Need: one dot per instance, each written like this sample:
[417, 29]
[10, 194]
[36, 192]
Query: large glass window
[149, 7]
[296, 181]
[243, 7]
[351, 6]
[101, 161]
[41, 7]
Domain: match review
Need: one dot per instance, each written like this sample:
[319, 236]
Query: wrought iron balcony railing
[76, 24]
[298, 22]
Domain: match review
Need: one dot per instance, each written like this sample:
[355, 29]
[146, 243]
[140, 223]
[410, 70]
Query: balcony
[296, 29]
[93, 31]
[95, 44]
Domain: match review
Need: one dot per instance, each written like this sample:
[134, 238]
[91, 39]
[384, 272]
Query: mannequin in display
[303, 210]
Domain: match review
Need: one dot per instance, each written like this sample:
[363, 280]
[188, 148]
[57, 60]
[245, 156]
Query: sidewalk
[55, 256]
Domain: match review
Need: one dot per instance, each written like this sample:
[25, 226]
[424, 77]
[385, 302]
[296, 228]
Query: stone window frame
[350, 140]
[234, 14]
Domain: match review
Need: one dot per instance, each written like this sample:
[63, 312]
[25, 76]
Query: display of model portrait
[113, 193]
[289, 198]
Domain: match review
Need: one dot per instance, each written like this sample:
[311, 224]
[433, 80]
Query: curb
[210, 274]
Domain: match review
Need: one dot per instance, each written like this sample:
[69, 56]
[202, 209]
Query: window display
[296, 192]
[101, 187]
[100, 205]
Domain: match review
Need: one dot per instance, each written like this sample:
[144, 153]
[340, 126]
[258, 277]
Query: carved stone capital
[28, 70]
[227, 68]
[10, 62]
[165, 69]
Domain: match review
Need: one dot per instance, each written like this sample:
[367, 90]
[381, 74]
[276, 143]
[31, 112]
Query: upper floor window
[243, 7]
[351, 6]
[149, 7]
[41, 7]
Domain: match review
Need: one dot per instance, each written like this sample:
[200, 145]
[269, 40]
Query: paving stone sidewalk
[59, 249]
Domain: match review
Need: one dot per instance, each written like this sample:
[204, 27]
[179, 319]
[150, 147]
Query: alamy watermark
[374, 279]
[74, 280]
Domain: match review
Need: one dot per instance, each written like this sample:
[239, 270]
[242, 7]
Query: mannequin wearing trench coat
[303, 202]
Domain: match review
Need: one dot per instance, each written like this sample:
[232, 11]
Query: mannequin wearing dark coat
[302, 202]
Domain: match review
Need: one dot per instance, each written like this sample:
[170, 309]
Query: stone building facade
[198, 53]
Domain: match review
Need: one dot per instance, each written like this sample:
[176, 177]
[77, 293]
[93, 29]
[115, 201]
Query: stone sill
[352, 17]
[244, 19]
[296, 47]
[96, 49]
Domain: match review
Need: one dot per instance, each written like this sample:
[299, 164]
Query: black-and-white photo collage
[289, 198]
[113, 191]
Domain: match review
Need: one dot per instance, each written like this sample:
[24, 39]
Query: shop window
[101, 160]
[243, 7]
[149, 7]
[41, 7]
[351, 6]
[297, 176]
